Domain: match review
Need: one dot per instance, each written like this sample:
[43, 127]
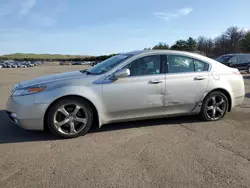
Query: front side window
[108, 64]
[180, 64]
[233, 60]
[148, 65]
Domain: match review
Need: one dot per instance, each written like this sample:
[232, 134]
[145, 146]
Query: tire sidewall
[203, 113]
[62, 102]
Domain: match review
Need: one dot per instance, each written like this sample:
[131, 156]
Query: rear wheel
[214, 106]
[70, 117]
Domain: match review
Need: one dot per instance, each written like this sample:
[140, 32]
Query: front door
[138, 95]
[186, 83]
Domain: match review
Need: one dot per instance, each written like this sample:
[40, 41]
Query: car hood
[52, 78]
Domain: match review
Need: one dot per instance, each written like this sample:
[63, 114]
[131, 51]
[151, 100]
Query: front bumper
[26, 113]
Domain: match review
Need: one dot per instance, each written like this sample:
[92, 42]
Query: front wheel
[214, 106]
[70, 117]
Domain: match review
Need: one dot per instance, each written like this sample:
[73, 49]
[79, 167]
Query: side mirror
[122, 73]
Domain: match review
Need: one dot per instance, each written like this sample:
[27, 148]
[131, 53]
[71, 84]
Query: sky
[98, 27]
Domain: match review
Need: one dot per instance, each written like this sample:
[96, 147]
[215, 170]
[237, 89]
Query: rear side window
[244, 58]
[182, 64]
[200, 66]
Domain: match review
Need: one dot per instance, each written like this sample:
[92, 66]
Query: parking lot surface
[170, 152]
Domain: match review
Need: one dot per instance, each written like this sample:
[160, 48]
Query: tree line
[233, 40]
[52, 57]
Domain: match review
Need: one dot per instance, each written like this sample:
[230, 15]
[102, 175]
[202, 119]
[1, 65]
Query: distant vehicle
[8, 66]
[1, 66]
[4, 65]
[93, 63]
[20, 65]
[65, 63]
[27, 64]
[79, 63]
[239, 61]
[130, 86]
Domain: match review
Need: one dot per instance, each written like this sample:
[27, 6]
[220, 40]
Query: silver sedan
[128, 86]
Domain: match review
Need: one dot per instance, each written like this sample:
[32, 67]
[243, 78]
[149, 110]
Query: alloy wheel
[216, 107]
[70, 119]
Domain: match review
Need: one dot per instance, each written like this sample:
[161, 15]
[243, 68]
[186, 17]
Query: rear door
[186, 83]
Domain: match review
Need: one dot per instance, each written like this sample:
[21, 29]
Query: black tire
[204, 109]
[88, 112]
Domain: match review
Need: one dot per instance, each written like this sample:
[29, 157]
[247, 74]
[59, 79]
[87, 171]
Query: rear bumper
[238, 101]
[24, 112]
[238, 94]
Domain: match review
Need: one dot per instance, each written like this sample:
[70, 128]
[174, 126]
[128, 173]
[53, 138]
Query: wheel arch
[226, 93]
[96, 122]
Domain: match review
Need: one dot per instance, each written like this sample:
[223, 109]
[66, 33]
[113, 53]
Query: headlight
[28, 91]
[15, 87]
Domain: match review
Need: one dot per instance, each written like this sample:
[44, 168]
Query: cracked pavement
[170, 152]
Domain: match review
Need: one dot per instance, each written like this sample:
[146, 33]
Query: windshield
[224, 59]
[108, 64]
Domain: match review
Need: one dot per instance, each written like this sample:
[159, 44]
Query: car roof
[161, 51]
[236, 54]
[169, 52]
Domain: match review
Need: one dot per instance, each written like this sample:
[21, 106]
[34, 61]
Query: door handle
[199, 78]
[155, 81]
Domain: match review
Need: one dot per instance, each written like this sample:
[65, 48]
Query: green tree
[191, 44]
[180, 45]
[161, 45]
[245, 43]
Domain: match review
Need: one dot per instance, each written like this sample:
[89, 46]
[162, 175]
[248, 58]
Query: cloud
[176, 14]
[184, 11]
[27, 6]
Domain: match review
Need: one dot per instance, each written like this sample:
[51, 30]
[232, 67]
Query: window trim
[209, 65]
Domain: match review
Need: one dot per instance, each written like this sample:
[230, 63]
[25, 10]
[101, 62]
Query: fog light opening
[13, 116]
